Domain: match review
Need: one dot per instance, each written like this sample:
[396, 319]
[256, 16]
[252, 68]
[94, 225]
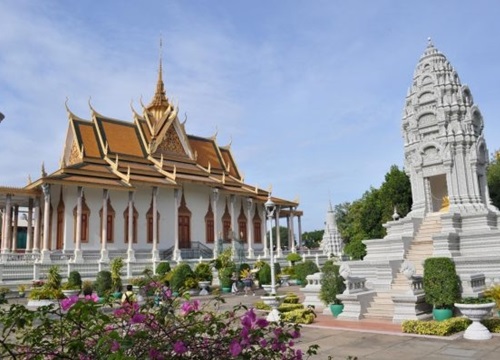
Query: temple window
[85, 221]
[209, 224]
[110, 223]
[257, 223]
[149, 220]
[134, 225]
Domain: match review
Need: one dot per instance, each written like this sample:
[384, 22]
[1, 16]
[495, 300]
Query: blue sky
[310, 92]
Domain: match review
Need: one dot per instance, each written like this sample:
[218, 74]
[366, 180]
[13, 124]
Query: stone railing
[355, 285]
[473, 285]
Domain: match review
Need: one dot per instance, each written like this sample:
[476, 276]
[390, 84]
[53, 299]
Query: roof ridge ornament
[44, 173]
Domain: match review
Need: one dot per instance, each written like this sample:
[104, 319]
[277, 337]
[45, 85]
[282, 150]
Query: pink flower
[235, 348]
[298, 354]
[189, 306]
[138, 318]
[115, 346]
[92, 297]
[69, 302]
[179, 347]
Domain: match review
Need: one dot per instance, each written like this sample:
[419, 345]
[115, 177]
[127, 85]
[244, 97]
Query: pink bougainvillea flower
[180, 347]
[235, 348]
[69, 302]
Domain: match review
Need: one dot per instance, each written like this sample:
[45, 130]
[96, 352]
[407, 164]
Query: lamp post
[272, 300]
[270, 208]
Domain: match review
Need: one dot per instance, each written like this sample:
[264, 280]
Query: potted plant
[493, 292]
[332, 284]
[476, 309]
[69, 289]
[49, 292]
[203, 273]
[87, 287]
[264, 276]
[225, 278]
[293, 258]
[21, 290]
[441, 286]
[225, 267]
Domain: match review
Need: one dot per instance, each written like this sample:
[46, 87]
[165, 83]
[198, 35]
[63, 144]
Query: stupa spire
[159, 103]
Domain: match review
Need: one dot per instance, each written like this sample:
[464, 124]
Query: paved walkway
[381, 340]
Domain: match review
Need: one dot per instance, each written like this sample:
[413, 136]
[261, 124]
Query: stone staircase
[421, 247]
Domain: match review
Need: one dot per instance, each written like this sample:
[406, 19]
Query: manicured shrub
[293, 258]
[493, 324]
[163, 268]
[103, 283]
[74, 279]
[179, 276]
[291, 298]
[305, 268]
[115, 267]
[299, 316]
[54, 278]
[441, 283]
[203, 272]
[264, 274]
[438, 328]
[225, 275]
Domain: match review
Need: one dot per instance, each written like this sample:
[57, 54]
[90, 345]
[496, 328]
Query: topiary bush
[441, 283]
[54, 278]
[163, 268]
[332, 283]
[103, 283]
[305, 268]
[225, 275]
[203, 272]
[299, 316]
[244, 266]
[293, 258]
[75, 279]
[179, 276]
[264, 274]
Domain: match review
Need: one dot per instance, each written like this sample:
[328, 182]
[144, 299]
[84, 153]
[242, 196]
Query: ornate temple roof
[153, 150]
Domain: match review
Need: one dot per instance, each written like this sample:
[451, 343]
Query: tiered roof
[153, 150]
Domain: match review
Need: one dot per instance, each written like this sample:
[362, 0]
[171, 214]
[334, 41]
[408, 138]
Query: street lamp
[270, 208]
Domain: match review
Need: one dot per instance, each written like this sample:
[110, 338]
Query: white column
[292, 232]
[2, 232]
[279, 252]
[299, 219]
[130, 250]
[234, 227]
[155, 252]
[78, 256]
[14, 228]
[215, 199]
[264, 232]
[250, 237]
[7, 225]
[177, 201]
[29, 228]
[104, 233]
[36, 235]
[45, 254]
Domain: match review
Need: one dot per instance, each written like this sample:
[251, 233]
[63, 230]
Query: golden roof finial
[160, 101]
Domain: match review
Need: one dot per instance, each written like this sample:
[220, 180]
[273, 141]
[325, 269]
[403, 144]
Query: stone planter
[284, 280]
[476, 312]
[203, 286]
[336, 309]
[70, 292]
[267, 288]
[35, 304]
[274, 302]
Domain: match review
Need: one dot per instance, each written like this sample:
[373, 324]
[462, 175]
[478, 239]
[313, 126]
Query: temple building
[144, 190]
[452, 216]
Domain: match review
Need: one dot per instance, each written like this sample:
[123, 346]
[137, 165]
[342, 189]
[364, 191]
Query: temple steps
[381, 308]
[421, 248]
[422, 245]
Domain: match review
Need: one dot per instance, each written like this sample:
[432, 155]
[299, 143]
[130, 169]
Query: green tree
[312, 239]
[493, 178]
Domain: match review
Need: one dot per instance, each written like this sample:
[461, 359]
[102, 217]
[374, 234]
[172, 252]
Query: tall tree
[493, 178]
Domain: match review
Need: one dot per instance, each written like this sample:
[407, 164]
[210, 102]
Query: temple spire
[159, 103]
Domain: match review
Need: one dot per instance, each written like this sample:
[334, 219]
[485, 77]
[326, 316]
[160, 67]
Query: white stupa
[332, 242]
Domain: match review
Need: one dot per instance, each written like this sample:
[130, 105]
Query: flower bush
[178, 328]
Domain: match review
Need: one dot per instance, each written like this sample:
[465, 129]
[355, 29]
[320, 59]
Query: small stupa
[332, 243]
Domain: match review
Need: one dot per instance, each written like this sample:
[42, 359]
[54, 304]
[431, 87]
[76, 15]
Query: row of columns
[9, 231]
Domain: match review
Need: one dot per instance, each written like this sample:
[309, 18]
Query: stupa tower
[332, 241]
[444, 147]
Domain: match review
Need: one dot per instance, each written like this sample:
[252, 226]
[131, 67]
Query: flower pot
[226, 289]
[203, 286]
[476, 312]
[442, 314]
[274, 302]
[69, 293]
[22, 294]
[336, 309]
[117, 295]
[267, 288]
